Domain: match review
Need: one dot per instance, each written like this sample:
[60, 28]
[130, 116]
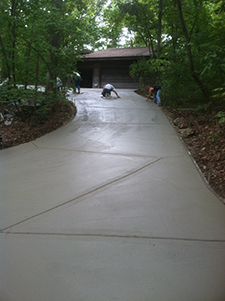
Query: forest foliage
[186, 40]
[42, 39]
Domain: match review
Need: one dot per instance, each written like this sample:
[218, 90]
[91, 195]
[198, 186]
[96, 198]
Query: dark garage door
[119, 77]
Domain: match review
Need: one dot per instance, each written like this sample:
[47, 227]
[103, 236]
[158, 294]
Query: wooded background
[42, 39]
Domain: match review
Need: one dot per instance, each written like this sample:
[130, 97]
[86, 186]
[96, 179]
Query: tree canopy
[52, 32]
[42, 39]
[186, 43]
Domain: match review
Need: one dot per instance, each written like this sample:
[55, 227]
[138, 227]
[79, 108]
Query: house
[110, 66]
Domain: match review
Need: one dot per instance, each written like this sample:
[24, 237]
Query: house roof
[113, 53]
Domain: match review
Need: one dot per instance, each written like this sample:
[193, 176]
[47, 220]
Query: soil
[203, 136]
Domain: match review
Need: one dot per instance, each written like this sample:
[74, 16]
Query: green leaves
[221, 116]
[56, 30]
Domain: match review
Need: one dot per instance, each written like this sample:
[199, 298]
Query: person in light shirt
[107, 89]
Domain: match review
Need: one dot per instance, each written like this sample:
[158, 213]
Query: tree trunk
[159, 30]
[26, 82]
[189, 53]
[55, 43]
[13, 14]
[5, 56]
[36, 83]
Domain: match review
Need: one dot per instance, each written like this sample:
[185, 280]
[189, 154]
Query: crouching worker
[156, 89]
[107, 89]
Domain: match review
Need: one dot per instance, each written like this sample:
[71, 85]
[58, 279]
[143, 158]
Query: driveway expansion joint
[88, 192]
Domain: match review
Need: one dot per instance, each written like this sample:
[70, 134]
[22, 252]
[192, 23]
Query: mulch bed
[20, 131]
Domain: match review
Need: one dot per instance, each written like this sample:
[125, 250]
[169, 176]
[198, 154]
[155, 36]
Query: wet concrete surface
[109, 207]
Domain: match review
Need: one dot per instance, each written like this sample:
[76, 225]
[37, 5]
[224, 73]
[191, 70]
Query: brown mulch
[204, 137]
[20, 131]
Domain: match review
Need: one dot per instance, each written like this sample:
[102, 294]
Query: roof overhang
[117, 54]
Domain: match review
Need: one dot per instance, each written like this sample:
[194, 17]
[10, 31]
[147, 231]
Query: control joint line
[117, 236]
[119, 178]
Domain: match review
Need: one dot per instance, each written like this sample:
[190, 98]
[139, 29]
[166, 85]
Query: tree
[159, 29]
[194, 34]
[189, 52]
[141, 18]
[42, 39]
[144, 19]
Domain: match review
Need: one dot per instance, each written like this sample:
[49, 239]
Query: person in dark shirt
[76, 79]
[156, 89]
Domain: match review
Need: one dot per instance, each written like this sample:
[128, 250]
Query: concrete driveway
[109, 207]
